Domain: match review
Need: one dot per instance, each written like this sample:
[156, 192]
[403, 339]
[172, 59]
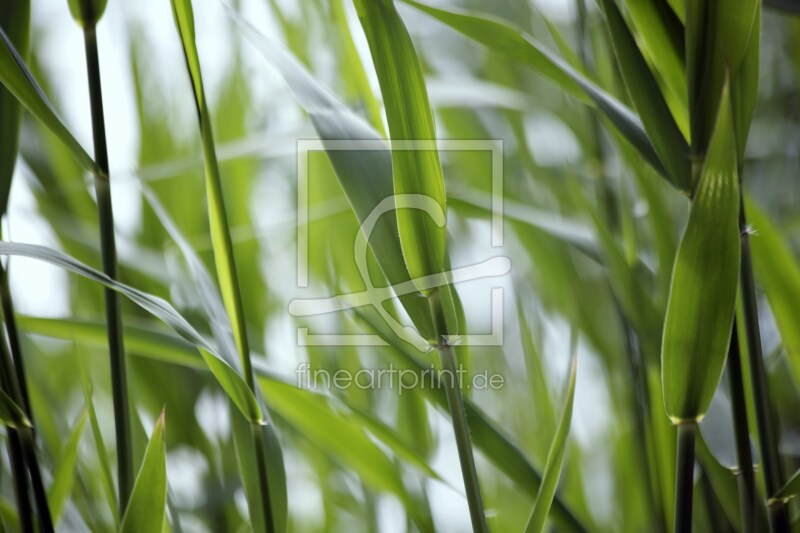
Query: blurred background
[590, 229]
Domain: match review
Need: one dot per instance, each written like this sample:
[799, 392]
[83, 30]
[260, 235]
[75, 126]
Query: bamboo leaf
[147, 509]
[704, 281]
[663, 131]
[15, 21]
[365, 176]
[18, 80]
[64, 475]
[12, 414]
[230, 381]
[555, 458]
[778, 273]
[790, 489]
[512, 42]
[408, 111]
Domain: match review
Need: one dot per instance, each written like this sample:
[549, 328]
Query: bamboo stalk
[455, 404]
[773, 471]
[684, 477]
[119, 382]
[747, 482]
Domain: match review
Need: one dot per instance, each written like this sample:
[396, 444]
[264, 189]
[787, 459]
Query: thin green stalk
[767, 438]
[747, 479]
[684, 477]
[263, 481]
[455, 404]
[13, 341]
[22, 448]
[116, 348]
[20, 475]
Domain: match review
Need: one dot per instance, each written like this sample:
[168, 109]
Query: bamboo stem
[455, 404]
[116, 348]
[767, 438]
[747, 481]
[684, 477]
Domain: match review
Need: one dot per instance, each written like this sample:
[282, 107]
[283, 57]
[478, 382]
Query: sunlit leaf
[147, 508]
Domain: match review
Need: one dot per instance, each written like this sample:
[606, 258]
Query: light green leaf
[15, 21]
[663, 131]
[405, 97]
[18, 80]
[555, 458]
[230, 381]
[512, 42]
[12, 414]
[147, 507]
[778, 273]
[64, 475]
[702, 296]
[364, 175]
[218, 218]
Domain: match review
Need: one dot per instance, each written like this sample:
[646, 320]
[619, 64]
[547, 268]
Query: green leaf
[64, 475]
[702, 296]
[147, 509]
[18, 80]
[230, 380]
[512, 42]
[218, 218]
[555, 458]
[337, 435]
[778, 273]
[408, 111]
[15, 21]
[663, 131]
[365, 176]
[721, 43]
[791, 489]
[12, 414]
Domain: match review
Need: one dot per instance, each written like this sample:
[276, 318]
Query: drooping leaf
[662, 130]
[18, 80]
[555, 458]
[15, 21]
[230, 381]
[147, 508]
[416, 172]
[702, 296]
[512, 42]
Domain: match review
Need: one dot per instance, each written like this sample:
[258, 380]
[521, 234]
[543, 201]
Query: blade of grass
[555, 457]
[147, 509]
[64, 475]
[221, 241]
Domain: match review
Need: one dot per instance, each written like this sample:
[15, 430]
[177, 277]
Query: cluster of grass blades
[641, 241]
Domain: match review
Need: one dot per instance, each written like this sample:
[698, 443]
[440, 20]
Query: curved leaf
[230, 381]
[12, 414]
[702, 296]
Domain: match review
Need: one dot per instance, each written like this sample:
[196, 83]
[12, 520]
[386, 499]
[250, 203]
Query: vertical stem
[119, 382]
[263, 480]
[684, 477]
[13, 341]
[20, 475]
[455, 404]
[768, 442]
[22, 449]
[747, 481]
